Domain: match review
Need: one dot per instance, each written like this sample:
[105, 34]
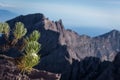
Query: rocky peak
[112, 34]
[30, 19]
[36, 21]
[54, 26]
[59, 25]
[114, 31]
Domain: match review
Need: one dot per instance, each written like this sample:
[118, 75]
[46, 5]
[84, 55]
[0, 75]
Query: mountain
[6, 14]
[62, 48]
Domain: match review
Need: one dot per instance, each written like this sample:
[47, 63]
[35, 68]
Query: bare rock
[9, 71]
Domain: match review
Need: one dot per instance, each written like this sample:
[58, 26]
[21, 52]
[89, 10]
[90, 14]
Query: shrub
[4, 28]
[31, 58]
[30, 45]
[18, 32]
[34, 36]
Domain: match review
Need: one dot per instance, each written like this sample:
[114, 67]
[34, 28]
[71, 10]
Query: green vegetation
[31, 58]
[4, 28]
[30, 46]
[34, 36]
[19, 32]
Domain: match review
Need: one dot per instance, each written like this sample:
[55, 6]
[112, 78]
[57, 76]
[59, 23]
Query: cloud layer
[93, 13]
[4, 5]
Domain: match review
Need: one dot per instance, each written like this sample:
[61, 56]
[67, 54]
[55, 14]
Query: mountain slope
[61, 47]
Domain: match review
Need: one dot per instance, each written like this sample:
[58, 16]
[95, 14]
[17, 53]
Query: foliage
[1, 28]
[20, 30]
[30, 44]
[32, 47]
[31, 58]
[4, 28]
[27, 62]
[34, 36]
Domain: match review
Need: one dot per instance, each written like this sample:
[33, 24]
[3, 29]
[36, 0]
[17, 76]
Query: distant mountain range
[91, 31]
[6, 15]
[61, 48]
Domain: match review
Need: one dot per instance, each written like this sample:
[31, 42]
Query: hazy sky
[78, 13]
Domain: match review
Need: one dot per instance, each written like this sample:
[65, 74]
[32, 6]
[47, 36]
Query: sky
[97, 16]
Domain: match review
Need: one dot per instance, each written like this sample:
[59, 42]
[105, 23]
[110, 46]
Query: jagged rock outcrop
[92, 68]
[9, 71]
[60, 47]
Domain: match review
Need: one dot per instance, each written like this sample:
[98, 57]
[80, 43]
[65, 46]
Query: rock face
[62, 48]
[9, 71]
[92, 68]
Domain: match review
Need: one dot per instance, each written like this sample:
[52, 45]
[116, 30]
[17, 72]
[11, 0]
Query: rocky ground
[9, 71]
[90, 68]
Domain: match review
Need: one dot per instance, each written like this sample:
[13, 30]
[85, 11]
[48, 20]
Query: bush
[31, 58]
[4, 28]
[30, 47]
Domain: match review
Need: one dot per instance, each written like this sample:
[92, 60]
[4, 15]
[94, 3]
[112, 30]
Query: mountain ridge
[60, 47]
[36, 21]
[112, 32]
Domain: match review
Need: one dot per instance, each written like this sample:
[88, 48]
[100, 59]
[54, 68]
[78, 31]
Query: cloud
[4, 5]
[97, 15]
[81, 15]
[111, 2]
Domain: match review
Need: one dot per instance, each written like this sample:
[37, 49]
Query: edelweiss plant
[31, 57]
[34, 36]
[31, 45]
[5, 29]
[18, 32]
